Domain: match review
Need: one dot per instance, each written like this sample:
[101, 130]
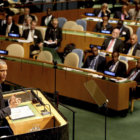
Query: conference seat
[42, 30]
[80, 54]
[77, 28]
[45, 56]
[15, 50]
[69, 24]
[82, 23]
[71, 60]
[130, 29]
[61, 21]
[124, 60]
[138, 34]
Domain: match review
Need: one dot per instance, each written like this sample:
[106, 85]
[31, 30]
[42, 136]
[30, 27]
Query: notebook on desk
[21, 112]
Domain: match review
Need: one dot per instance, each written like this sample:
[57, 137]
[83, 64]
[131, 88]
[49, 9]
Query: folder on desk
[21, 112]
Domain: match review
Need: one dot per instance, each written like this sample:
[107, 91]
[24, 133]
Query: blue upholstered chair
[80, 54]
[61, 21]
[138, 34]
[83, 23]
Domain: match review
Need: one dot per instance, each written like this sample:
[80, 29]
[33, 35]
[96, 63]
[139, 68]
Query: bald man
[132, 47]
[113, 43]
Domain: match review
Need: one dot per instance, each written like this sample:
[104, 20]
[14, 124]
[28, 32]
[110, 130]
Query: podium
[46, 122]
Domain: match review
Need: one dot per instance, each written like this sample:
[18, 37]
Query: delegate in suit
[116, 66]
[132, 47]
[95, 61]
[9, 27]
[113, 43]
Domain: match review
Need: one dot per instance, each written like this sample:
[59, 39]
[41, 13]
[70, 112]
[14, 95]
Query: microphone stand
[56, 95]
[105, 112]
[73, 118]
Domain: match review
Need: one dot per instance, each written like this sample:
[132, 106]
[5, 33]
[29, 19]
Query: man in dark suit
[35, 36]
[5, 105]
[47, 19]
[9, 27]
[95, 61]
[123, 14]
[53, 36]
[113, 43]
[134, 75]
[25, 15]
[103, 26]
[104, 11]
[116, 66]
[132, 47]
[124, 31]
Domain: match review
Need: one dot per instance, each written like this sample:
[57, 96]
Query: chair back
[15, 50]
[72, 60]
[69, 24]
[61, 21]
[82, 23]
[77, 28]
[45, 56]
[138, 34]
[130, 29]
[80, 53]
[42, 30]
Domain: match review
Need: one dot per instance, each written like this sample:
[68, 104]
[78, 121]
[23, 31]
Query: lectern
[36, 118]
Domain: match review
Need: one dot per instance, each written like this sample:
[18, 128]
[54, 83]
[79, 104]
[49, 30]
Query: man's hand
[14, 102]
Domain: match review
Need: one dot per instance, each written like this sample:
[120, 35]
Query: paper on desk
[95, 75]
[23, 41]
[21, 112]
[49, 43]
[119, 81]
[70, 69]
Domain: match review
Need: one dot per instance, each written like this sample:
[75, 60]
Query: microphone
[45, 112]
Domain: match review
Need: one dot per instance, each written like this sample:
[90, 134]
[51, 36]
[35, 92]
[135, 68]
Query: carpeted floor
[91, 126]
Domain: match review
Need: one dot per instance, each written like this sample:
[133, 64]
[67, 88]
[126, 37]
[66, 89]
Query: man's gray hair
[2, 62]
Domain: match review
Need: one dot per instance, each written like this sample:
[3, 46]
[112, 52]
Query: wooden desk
[91, 23]
[69, 84]
[38, 122]
[26, 46]
[82, 39]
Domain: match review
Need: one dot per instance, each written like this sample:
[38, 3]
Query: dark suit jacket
[22, 18]
[100, 63]
[137, 78]
[37, 36]
[118, 46]
[125, 33]
[54, 34]
[97, 11]
[43, 21]
[99, 27]
[14, 29]
[120, 70]
[118, 15]
[128, 46]
[4, 109]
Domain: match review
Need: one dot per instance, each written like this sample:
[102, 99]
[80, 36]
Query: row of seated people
[53, 35]
[118, 67]
[124, 13]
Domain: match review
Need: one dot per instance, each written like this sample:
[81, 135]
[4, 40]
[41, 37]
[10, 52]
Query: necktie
[93, 62]
[122, 16]
[7, 30]
[133, 74]
[110, 45]
[131, 50]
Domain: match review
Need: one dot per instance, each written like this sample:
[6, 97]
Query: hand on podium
[14, 102]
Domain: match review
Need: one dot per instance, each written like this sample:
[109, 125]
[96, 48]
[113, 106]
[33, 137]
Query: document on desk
[21, 112]
[23, 41]
[49, 43]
